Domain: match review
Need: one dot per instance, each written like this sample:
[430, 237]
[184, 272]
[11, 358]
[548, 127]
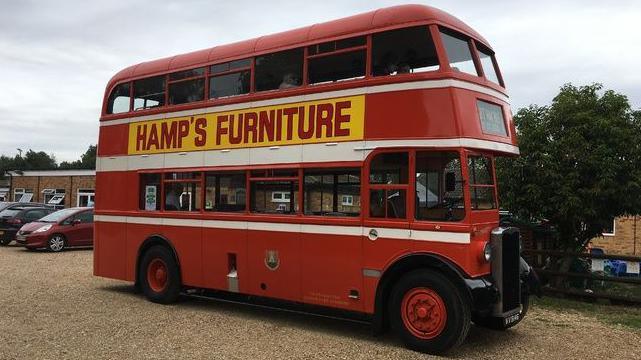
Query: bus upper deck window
[403, 51]
[280, 70]
[187, 86]
[459, 53]
[230, 78]
[487, 62]
[337, 60]
[118, 99]
[149, 93]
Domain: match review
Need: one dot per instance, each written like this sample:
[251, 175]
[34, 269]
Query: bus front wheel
[428, 312]
[159, 276]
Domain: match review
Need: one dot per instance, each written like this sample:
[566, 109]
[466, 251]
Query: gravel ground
[54, 308]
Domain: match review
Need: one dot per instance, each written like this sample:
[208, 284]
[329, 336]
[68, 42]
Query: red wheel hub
[157, 275]
[423, 313]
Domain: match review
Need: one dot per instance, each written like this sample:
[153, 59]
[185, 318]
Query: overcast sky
[57, 56]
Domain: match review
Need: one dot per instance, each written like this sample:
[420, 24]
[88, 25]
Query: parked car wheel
[159, 275]
[428, 312]
[56, 243]
[5, 242]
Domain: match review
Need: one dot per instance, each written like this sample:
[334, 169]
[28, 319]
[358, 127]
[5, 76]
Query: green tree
[580, 163]
[87, 160]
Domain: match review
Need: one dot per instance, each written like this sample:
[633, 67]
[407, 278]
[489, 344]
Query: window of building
[187, 86]
[85, 198]
[49, 194]
[388, 180]
[119, 99]
[230, 78]
[281, 70]
[22, 195]
[337, 60]
[458, 52]
[183, 191]
[401, 51]
[332, 192]
[149, 192]
[610, 229]
[439, 186]
[274, 191]
[55, 197]
[225, 192]
[480, 172]
[488, 62]
[149, 93]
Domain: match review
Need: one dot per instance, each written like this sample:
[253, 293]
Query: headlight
[43, 228]
[487, 252]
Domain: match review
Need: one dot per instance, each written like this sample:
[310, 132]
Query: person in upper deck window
[289, 81]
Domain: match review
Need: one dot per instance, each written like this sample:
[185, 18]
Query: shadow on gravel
[478, 338]
[71, 249]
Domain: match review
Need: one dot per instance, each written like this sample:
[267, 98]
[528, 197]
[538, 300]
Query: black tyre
[428, 312]
[5, 241]
[56, 243]
[159, 276]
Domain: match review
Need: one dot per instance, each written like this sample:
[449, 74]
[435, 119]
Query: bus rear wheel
[159, 276]
[428, 312]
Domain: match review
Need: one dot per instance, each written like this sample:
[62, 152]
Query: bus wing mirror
[450, 181]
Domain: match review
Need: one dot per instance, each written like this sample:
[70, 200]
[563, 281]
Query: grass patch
[629, 316]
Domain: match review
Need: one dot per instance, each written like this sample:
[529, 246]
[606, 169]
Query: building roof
[361, 23]
[78, 172]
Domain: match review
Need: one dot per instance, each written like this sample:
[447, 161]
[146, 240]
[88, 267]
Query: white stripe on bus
[392, 233]
[413, 85]
[291, 154]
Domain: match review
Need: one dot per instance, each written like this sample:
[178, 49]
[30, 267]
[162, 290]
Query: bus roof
[390, 17]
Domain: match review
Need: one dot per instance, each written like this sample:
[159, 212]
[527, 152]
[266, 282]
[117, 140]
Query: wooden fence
[585, 283]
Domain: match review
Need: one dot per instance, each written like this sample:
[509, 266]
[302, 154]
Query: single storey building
[59, 188]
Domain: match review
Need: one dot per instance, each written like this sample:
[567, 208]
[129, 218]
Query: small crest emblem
[271, 259]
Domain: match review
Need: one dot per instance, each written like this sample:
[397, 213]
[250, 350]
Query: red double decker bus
[347, 165]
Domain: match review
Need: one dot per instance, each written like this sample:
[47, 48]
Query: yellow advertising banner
[327, 120]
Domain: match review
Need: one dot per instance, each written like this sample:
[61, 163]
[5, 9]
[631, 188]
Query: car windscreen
[9, 212]
[57, 216]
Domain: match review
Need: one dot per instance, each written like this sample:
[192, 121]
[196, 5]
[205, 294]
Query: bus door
[331, 238]
[385, 226]
[273, 240]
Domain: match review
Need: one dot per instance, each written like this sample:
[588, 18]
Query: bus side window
[458, 52]
[388, 180]
[274, 191]
[187, 86]
[332, 192]
[182, 191]
[149, 93]
[403, 51]
[280, 70]
[439, 186]
[118, 99]
[337, 60]
[225, 192]
[230, 78]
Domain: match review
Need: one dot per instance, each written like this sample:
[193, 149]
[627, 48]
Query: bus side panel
[136, 235]
[114, 190]
[283, 282]
[219, 247]
[187, 241]
[110, 250]
[424, 113]
[332, 267]
[113, 140]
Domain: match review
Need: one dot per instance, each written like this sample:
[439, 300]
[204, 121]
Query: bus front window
[439, 186]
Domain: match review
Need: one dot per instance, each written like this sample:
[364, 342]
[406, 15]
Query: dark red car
[58, 230]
